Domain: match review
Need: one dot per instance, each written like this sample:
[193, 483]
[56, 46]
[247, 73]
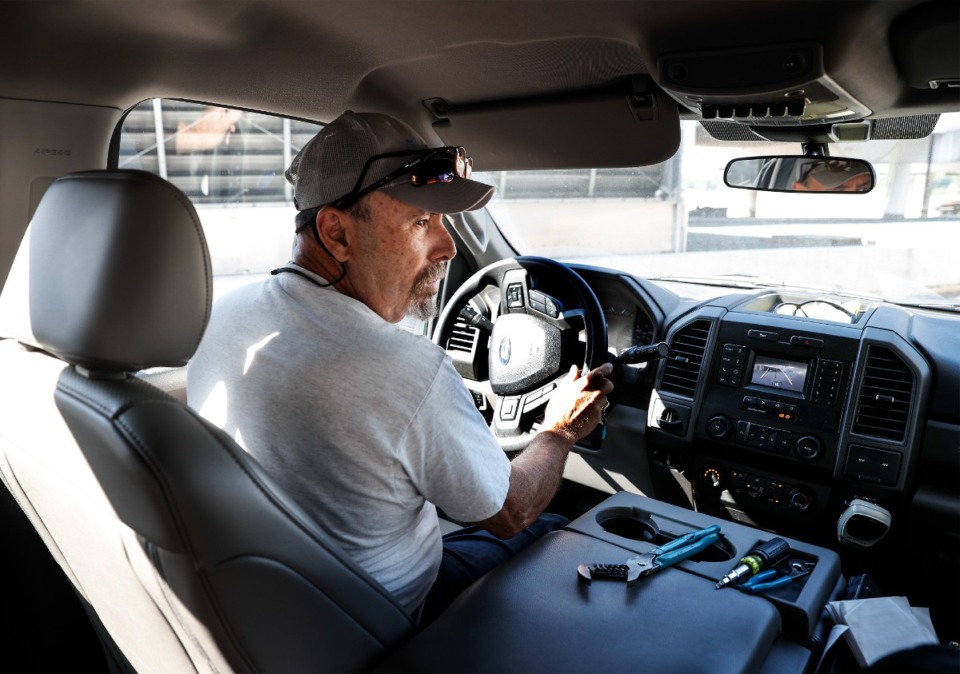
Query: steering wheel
[513, 330]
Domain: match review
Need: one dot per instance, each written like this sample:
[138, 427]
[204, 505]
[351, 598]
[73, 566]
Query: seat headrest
[119, 272]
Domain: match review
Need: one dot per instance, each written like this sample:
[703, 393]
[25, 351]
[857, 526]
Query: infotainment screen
[786, 375]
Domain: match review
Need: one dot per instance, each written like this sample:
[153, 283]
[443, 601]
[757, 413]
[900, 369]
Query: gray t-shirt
[365, 424]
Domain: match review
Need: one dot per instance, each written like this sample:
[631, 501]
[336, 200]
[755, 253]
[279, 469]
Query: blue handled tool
[646, 563]
[771, 579]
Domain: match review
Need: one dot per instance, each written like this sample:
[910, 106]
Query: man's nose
[444, 247]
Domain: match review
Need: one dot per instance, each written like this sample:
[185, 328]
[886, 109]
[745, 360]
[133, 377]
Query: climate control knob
[719, 427]
[808, 448]
[799, 499]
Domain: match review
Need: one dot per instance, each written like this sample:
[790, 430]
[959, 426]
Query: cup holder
[628, 523]
[637, 525]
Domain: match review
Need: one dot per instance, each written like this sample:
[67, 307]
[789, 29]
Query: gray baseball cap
[833, 174]
[328, 166]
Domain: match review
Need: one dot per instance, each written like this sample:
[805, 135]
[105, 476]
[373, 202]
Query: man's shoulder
[397, 343]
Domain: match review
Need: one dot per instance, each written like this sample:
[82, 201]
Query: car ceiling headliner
[313, 59]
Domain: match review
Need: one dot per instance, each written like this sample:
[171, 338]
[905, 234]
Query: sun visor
[634, 124]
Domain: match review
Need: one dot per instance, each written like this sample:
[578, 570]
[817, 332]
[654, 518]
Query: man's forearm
[535, 477]
[575, 408]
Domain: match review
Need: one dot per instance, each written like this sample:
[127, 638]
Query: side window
[230, 163]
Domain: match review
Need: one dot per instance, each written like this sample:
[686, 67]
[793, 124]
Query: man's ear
[330, 225]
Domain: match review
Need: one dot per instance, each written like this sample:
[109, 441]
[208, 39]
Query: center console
[671, 621]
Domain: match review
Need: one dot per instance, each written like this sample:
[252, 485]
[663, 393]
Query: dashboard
[783, 419]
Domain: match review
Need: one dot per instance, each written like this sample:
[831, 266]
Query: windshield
[679, 220]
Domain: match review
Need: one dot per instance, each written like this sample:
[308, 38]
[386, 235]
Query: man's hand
[574, 410]
[213, 127]
[577, 404]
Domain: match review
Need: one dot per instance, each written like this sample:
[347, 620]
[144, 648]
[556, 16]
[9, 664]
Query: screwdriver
[766, 554]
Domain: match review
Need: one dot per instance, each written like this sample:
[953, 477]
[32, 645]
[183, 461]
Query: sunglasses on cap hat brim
[434, 166]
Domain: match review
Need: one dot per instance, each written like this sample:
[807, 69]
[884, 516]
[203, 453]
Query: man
[366, 425]
[825, 175]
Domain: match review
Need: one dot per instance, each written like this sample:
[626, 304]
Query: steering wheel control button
[764, 335]
[536, 398]
[544, 304]
[508, 408]
[514, 296]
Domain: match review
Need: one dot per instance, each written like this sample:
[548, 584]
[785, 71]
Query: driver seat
[190, 556]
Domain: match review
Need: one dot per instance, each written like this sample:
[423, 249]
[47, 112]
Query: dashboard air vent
[883, 404]
[463, 337]
[687, 348]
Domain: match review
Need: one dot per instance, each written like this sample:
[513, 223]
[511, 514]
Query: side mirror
[800, 174]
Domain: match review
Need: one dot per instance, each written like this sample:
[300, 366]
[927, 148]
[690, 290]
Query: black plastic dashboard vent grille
[883, 405]
[687, 348]
[463, 337]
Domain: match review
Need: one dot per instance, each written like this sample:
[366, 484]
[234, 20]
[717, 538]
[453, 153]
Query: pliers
[647, 563]
[771, 579]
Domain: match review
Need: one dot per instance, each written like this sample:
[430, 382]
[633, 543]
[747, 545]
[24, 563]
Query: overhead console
[786, 415]
[778, 85]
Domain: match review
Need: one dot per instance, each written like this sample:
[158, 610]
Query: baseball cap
[832, 174]
[328, 167]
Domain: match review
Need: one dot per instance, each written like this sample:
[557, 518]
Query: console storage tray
[640, 524]
[533, 615]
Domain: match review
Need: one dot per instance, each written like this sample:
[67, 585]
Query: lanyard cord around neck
[312, 280]
[307, 218]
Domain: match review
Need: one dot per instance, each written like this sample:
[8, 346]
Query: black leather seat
[191, 557]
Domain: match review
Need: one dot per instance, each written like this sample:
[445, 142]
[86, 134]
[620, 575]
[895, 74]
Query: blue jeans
[470, 553]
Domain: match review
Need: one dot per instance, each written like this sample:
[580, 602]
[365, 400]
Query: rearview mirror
[800, 174]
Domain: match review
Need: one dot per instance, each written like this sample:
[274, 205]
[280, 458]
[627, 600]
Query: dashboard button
[743, 430]
[809, 342]
[809, 448]
[872, 465]
[719, 427]
[765, 335]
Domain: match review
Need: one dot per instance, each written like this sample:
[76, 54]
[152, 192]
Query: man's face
[397, 258]
[857, 183]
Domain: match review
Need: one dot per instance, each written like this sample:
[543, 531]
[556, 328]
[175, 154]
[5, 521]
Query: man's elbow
[509, 522]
